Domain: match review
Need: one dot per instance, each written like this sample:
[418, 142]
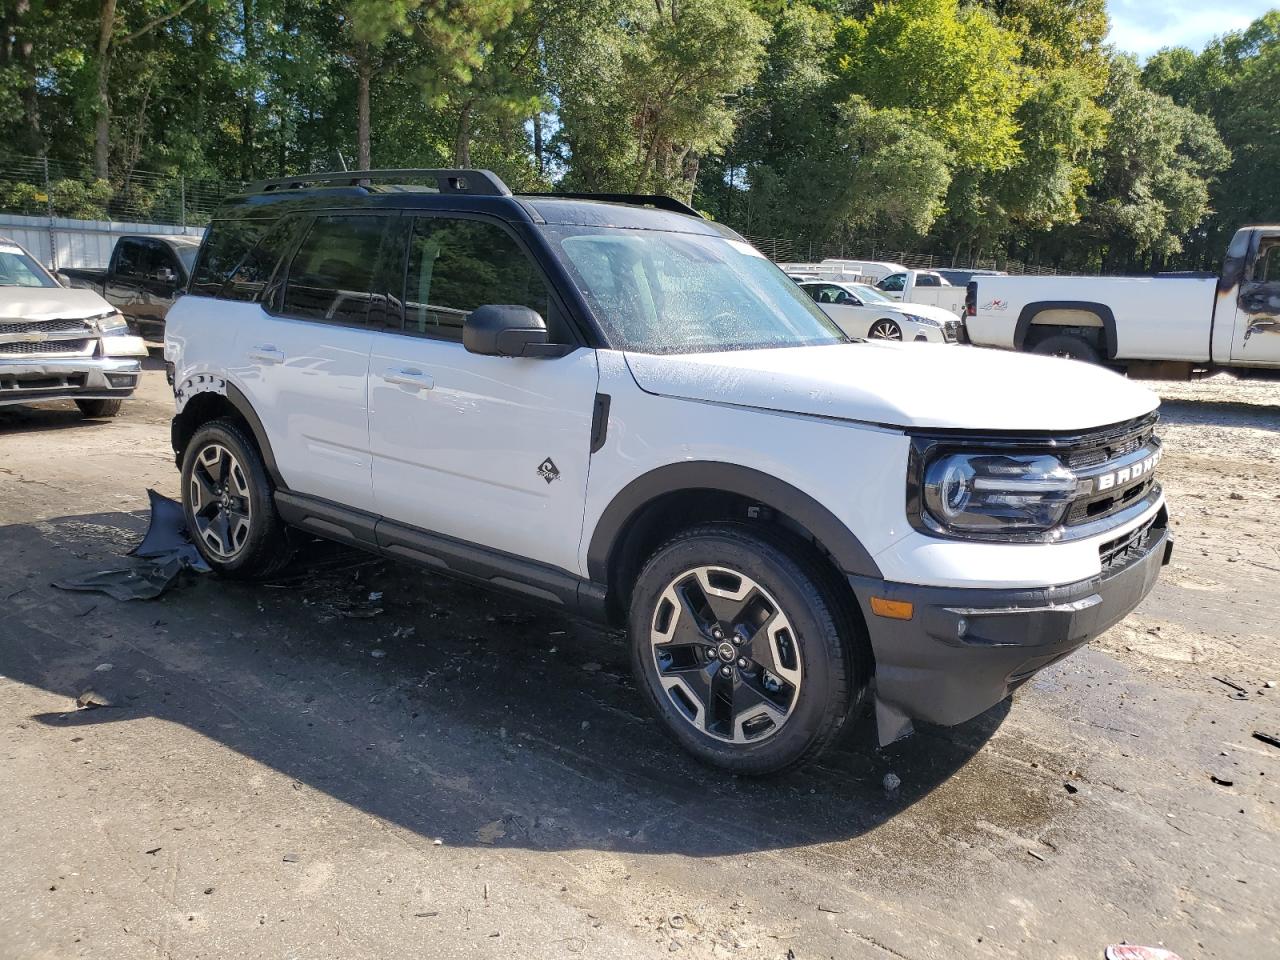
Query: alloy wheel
[884, 330]
[220, 502]
[726, 655]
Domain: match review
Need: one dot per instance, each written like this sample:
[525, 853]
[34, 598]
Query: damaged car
[61, 344]
[620, 408]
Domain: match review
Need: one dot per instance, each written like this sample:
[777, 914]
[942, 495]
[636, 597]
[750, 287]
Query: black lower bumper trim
[965, 650]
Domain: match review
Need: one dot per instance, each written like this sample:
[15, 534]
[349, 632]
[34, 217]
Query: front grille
[45, 348]
[1127, 548]
[1116, 466]
[1110, 444]
[45, 326]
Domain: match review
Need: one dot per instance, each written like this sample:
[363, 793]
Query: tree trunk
[364, 75]
[537, 141]
[462, 138]
[250, 97]
[102, 101]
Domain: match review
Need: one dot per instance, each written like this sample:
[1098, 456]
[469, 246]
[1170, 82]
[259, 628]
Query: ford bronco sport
[617, 407]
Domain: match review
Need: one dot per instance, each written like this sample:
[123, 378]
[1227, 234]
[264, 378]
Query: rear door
[488, 450]
[1256, 338]
[305, 361]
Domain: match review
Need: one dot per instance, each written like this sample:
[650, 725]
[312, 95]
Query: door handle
[409, 378]
[266, 354]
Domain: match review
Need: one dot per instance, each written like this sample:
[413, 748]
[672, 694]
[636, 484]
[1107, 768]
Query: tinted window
[892, 283]
[133, 259]
[249, 278]
[225, 248]
[331, 276]
[458, 265]
[925, 280]
[162, 255]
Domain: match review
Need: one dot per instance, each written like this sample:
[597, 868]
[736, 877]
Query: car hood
[928, 310]
[50, 303]
[903, 384]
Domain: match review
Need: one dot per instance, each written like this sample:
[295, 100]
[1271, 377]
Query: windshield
[187, 254]
[664, 292]
[870, 294]
[17, 269]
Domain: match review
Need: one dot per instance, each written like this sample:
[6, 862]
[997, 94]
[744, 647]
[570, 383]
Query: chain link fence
[35, 186]
[803, 251]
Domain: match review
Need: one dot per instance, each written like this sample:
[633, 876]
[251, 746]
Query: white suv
[625, 410]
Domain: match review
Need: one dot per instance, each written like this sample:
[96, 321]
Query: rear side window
[331, 277]
[458, 265]
[225, 248]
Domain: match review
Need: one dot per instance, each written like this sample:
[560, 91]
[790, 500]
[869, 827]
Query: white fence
[57, 242]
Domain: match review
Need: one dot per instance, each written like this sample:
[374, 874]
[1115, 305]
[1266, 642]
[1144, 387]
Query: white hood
[903, 384]
[50, 303]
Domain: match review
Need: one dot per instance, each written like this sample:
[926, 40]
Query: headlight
[110, 325]
[924, 321]
[996, 493]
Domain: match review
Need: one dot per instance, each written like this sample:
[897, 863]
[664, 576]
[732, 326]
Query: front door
[1256, 338]
[307, 359]
[488, 450]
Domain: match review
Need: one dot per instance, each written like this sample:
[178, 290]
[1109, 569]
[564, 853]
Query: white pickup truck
[924, 286]
[1165, 326]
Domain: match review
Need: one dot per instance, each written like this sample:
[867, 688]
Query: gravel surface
[301, 769]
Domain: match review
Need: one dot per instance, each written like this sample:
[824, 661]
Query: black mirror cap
[508, 330]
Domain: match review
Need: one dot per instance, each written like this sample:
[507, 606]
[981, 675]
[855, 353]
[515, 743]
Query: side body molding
[709, 475]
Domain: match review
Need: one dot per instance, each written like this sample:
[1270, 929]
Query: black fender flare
[1099, 310]
[711, 475]
[234, 396]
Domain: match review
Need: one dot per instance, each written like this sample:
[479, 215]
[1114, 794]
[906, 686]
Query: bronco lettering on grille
[1132, 472]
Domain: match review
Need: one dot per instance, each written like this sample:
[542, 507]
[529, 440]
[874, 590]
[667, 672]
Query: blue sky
[1144, 26]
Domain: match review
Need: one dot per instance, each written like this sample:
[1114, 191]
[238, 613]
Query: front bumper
[31, 380]
[965, 650]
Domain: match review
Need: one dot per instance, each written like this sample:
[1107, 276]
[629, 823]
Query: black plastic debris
[166, 551]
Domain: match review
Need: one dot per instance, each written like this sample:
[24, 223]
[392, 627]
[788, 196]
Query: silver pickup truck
[60, 344]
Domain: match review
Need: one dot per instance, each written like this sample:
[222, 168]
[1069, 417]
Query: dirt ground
[309, 769]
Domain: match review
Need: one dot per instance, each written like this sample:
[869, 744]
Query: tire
[1069, 346]
[99, 409]
[884, 329]
[688, 660]
[224, 478]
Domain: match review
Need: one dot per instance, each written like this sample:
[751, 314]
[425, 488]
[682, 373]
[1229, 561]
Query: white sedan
[865, 313]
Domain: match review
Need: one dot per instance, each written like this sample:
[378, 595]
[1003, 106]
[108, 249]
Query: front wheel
[99, 409]
[742, 649]
[228, 501]
[884, 329]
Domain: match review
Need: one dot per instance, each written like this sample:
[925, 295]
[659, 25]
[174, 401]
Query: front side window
[133, 259]
[331, 276]
[17, 269]
[665, 292]
[893, 283]
[458, 265]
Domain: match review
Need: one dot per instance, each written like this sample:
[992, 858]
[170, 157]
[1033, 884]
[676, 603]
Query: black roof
[470, 191]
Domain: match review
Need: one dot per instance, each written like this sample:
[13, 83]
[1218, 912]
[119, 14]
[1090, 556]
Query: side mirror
[508, 330]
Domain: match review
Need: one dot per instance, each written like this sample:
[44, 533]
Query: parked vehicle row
[625, 410]
[864, 312]
[60, 344]
[1166, 325]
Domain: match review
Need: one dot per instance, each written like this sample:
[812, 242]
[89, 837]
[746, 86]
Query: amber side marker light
[893, 609]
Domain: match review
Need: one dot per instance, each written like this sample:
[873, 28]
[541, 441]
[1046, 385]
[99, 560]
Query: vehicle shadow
[1222, 413]
[435, 706]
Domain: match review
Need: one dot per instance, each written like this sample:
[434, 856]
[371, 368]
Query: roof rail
[483, 183]
[658, 200]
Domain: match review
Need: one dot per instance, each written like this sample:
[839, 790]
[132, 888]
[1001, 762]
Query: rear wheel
[99, 409]
[1067, 346]
[742, 649]
[884, 329]
[228, 501]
